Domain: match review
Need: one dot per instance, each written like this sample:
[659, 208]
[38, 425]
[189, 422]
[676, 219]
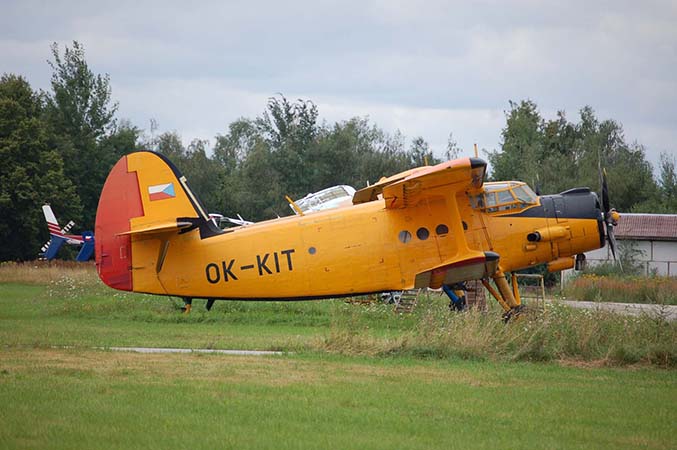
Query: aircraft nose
[581, 203]
[599, 215]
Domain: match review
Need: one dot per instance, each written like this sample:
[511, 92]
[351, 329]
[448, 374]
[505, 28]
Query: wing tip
[477, 162]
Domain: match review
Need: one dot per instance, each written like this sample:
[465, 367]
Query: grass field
[358, 377]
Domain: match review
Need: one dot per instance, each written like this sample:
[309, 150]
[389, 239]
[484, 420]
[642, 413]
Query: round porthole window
[442, 229]
[404, 236]
[422, 233]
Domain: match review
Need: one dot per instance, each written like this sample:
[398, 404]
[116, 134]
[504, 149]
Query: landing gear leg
[456, 294]
[187, 305]
[508, 298]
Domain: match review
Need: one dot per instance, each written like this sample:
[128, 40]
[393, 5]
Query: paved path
[191, 350]
[669, 312]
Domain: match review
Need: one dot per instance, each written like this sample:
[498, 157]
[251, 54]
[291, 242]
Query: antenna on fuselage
[293, 204]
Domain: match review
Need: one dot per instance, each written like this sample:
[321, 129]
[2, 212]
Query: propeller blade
[609, 218]
[612, 243]
[605, 193]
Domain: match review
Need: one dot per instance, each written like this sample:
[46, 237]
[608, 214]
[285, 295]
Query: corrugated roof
[661, 227]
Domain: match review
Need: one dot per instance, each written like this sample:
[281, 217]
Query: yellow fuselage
[356, 249]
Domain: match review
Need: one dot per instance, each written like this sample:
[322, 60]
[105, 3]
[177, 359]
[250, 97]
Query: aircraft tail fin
[144, 196]
[52, 223]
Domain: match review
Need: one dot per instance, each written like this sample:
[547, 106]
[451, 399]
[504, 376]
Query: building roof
[658, 227]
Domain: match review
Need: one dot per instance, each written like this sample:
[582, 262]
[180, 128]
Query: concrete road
[191, 350]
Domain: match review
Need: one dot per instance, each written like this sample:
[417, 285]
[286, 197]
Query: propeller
[610, 215]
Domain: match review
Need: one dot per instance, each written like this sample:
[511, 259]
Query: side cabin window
[502, 197]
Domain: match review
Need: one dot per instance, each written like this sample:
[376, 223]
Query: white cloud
[425, 68]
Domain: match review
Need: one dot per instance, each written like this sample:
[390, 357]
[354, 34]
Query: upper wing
[400, 190]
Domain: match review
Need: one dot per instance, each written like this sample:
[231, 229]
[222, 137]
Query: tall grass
[43, 272]
[624, 289]
[558, 334]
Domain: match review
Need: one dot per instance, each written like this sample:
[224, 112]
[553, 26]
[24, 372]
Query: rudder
[144, 193]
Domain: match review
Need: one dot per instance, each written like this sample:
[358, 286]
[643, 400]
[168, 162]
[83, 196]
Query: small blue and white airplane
[58, 237]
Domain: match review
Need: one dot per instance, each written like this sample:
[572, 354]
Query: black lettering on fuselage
[277, 262]
[217, 275]
[288, 253]
[261, 263]
[225, 271]
[228, 270]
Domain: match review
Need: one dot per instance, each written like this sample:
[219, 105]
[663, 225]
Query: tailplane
[144, 196]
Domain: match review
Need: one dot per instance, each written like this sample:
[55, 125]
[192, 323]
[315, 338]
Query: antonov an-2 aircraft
[428, 227]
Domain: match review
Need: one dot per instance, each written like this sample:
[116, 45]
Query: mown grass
[53, 398]
[623, 289]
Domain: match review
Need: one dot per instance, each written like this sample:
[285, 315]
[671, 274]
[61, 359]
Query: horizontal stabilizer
[163, 227]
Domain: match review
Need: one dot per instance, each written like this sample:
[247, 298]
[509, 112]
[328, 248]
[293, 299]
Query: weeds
[561, 333]
[625, 289]
[41, 272]
[557, 334]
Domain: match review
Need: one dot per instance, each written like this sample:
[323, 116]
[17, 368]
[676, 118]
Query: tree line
[557, 154]
[58, 146]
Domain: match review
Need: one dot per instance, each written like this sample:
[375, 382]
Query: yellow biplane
[428, 227]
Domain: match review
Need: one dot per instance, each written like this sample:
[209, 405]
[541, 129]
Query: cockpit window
[495, 187]
[504, 196]
[490, 199]
[525, 194]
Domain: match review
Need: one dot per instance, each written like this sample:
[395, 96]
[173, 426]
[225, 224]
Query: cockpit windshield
[325, 199]
[504, 196]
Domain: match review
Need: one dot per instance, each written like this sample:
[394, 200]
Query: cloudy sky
[426, 68]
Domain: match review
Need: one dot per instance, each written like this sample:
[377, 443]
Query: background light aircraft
[58, 237]
[331, 197]
[428, 227]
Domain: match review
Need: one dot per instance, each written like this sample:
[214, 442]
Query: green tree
[420, 153]
[522, 144]
[668, 183]
[169, 144]
[386, 157]
[291, 130]
[204, 174]
[665, 199]
[558, 155]
[233, 147]
[31, 173]
[285, 151]
[453, 151]
[81, 113]
[124, 138]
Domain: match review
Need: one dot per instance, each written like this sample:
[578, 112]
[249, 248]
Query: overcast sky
[425, 68]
